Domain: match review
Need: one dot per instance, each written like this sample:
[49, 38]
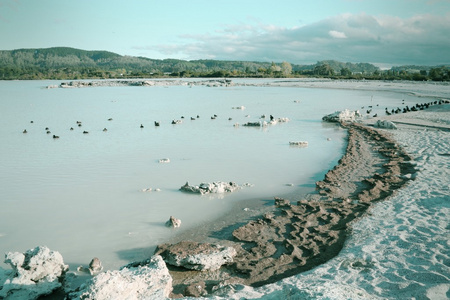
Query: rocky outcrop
[35, 273]
[148, 280]
[299, 143]
[343, 116]
[196, 256]
[95, 267]
[218, 187]
[173, 222]
[385, 124]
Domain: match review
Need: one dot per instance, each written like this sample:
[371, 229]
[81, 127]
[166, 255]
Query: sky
[382, 32]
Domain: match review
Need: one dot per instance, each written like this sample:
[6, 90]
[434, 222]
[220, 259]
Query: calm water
[82, 194]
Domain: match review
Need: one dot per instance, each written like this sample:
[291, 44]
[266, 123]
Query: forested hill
[70, 63]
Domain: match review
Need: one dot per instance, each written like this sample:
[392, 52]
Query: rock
[218, 187]
[343, 116]
[173, 222]
[299, 143]
[385, 124]
[197, 289]
[279, 202]
[35, 273]
[196, 256]
[95, 266]
[148, 281]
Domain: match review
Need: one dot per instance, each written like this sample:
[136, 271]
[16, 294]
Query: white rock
[173, 222]
[149, 281]
[385, 124]
[299, 143]
[218, 187]
[34, 273]
[196, 256]
[345, 115]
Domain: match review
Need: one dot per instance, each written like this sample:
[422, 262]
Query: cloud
[337, 34]
[422, 39]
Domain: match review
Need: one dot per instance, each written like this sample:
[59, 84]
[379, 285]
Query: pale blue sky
[384, 32]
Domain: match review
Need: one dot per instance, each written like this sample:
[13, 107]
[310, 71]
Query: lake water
[82, 194]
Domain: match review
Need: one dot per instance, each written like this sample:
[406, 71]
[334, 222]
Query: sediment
[293, 238]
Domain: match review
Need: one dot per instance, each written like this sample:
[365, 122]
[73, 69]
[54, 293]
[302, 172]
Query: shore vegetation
[63, 63]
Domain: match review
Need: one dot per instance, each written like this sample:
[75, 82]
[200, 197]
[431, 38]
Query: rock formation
[196, 256]
[217, 187]
[343, 116]
[146, 280]
[299, 143]
[385, 124]
[173, 222]
[35, 273]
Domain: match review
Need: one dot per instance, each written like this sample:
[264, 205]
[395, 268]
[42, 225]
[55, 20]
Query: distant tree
[346, 72]
[324, 70]
[286, 68]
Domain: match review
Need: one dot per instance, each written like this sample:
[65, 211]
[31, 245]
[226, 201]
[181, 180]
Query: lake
[82, 194]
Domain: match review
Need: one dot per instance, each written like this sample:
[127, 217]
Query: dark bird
[156, 123]
[55, 137]
[85, 132]
[24, 131]
[142, 126]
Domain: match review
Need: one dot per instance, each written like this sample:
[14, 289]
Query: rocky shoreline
[292, 238]
[275, 242]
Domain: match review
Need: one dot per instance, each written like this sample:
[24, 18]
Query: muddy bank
[283, 239]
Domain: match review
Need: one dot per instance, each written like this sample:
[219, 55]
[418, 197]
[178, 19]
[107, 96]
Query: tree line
[69, 63]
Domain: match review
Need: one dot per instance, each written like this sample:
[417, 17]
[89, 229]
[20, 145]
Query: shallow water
[82, 194]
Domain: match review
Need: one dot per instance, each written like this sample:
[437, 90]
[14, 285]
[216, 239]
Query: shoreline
[340, 201]
[336, 204]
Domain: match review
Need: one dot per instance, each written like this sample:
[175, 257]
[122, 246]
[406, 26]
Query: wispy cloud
[422, 39]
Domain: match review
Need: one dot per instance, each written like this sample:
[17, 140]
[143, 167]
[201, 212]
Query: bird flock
[417, 107]
[398, 110]
[156, 124]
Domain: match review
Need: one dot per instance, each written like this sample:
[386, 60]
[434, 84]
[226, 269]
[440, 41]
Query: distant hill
[71, 63]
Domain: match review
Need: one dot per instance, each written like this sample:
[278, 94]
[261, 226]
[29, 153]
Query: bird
[55, 137]
[104, 129]
[142, 126]
[156, 123]
[25, 131]
[85, 132]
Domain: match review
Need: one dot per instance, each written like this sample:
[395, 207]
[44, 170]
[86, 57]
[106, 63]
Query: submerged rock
[299, 143]
[148, 281]
[217, 187]
[196, 256]
[343, 116]
[35, 273]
